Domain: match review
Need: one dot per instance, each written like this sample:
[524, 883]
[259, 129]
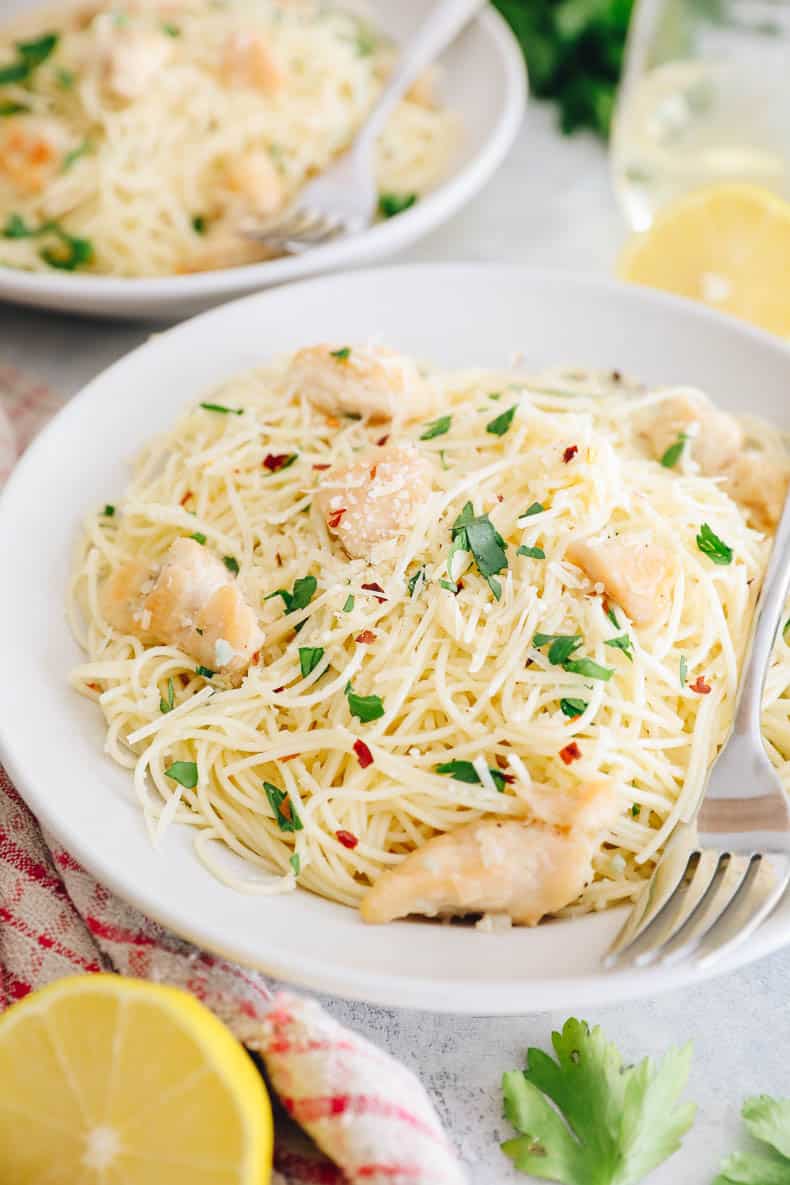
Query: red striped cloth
[368, 1119]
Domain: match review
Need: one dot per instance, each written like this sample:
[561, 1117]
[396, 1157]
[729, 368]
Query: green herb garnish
[573, 707]
[166, 705]
[206, 672]
[478, 535]
[284, 811]
[342, 355]
[588, 668]
[66, 253]
[199, 224]
[561, 646]
[296, 863]
[674, 452]
[30, 55]
[684, 670]
[589, 1119]
[391, 204]
[768, 1162]
[9, 107]
[535, 508]
[309, 658]
[443, 460]
[183, 772]
[437, 428]
[534, 553]
[72, 157]
[65, 78]
[610, 613]
[500, 425]
[303, 593]
[171, 30]
[622, 643]
[413, 580]
[231, 563]
[464, 771]
[199, 537]
[349, 605]
[109, 511]
[636, 810]
[449, 585]
[364, 707]
[225, 411]
[712, 546]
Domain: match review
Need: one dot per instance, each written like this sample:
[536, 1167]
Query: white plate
[51, 739]
[484, 82]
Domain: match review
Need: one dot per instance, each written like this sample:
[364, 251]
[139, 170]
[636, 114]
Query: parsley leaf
[30, 54]
[225, 411]
[588, 668]
[535, 508]
[199, 224]
[309, 658]
[711, 545]
[199, 537]
[464, 771]
[284, 811]
[183, 772]
[622, 643]
[561, 646]
[437, 428]
[684, 670]
[66, 252]
[534, 553]
[610, 613]
[72, 157]
[206, 672]
[674, 452]
[171, 30]
[296, 863]
[109, 510]
[418, 577]
[480, 536]
[342, 355]
[231, 563]
[364, 707]
[302, 595]
[391, 204]
[9, 107]
[349, 605]
[500, 425]
[616, 1122]
[573, 707]
[166, 705]
[767, 1120]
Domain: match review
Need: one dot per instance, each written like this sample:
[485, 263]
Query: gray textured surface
[550, 205]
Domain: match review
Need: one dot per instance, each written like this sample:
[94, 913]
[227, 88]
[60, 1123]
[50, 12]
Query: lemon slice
[112, 1081]
[728, 245]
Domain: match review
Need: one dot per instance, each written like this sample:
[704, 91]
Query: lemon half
[113, 1081]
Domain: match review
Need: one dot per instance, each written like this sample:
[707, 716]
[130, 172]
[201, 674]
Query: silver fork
[344, 198]
[717, 883]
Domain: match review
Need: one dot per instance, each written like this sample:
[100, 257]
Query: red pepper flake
[373, 471]
[364, 755]
[93, 686]
[382, 440]
[278, 559]
[375, 588]
[255, 658]
[570, 453]
[186, 498]
[332, 421]
[335, 517]
[275, 461]
[700, 686]
[570, 753]
[277, 690]
[285, 808]
[347, 838]
[366, 637]
[322, 465]
[290, 757]
[500, 497]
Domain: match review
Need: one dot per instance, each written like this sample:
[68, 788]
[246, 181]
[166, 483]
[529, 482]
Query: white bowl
[51, 739]
[484, 82]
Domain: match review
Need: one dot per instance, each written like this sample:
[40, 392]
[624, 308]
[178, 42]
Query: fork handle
[767, 618]
[441, 27]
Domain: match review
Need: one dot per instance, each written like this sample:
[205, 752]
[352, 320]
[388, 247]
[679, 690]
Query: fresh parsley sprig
[712, 546]
[478, 535]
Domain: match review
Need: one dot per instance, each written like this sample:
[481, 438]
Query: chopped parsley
[535, 508]
[684, 670]
[167, 705]
[65, 78]
[231, 563]
[30, 55]
[622, 643]
[185, 773]
[500, 425]
[199, 537]
[478, 535]
[610, 613]
[349, 605]
[419, 576]
[364, 707]
[534, 553]
[72, 157]
[588, 668]
[437, 428]
[199, 224]
[303, 593]
[109, 511]
[589, 1117]
[9, 107]
[561, 646]
[712, 546]
[464, 771]
[171, 30]
[296, 863]
[342, 355]
[443, 460]
[206, 672]
[66, 252]
[636, 810]
[225, 411]
[766, 1160]
[284, 811]
[365, 42]
[309, 658]
[391, 204]
[573, 707]
[674, 452]
[450, 585]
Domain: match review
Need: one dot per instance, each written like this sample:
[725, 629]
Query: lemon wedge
[112, 1081]
[726, 245]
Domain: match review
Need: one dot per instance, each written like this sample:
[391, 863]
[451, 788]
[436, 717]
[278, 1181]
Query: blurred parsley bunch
[574, 51]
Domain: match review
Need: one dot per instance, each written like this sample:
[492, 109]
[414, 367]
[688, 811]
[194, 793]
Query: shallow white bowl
[484, 82]
[51, 739]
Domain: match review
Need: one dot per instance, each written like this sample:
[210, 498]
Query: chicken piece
[376, 498]
[759, 483]
[191, 602]
[31, 152]
[717, 436]
[635, 575]
[369, 381]
[131, 60]
[256, 180]
[524, 868]
[248, 62]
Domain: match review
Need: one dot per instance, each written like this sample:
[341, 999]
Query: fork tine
[287, 225]
[760, 891]
[659, 890]
[729, 876]
[315, 239]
